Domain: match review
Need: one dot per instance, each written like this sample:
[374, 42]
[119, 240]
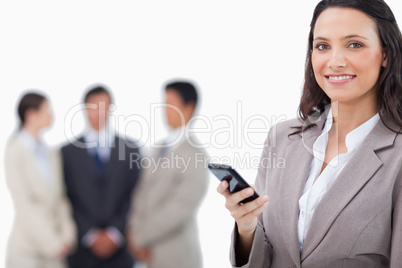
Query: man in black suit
[99, 181]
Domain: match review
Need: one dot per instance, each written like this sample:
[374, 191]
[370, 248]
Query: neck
[34, 131]
[348, 117]
[98, 128]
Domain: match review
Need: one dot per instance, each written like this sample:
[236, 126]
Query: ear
[29, 113]
[190, 108]
[384, 58]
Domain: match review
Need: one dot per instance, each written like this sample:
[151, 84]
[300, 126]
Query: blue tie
[98, 163]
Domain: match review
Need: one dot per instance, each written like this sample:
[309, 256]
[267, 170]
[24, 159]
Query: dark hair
[95, 91]
[186, 90]
[389, 81]
[30, 101]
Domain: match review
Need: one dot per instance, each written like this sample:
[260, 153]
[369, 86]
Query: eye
[355, 45]
[322, 47]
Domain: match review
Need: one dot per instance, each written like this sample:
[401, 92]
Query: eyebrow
[346, 37]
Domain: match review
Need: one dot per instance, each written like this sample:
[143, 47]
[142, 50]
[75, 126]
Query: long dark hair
[389, 81]
[29, 101]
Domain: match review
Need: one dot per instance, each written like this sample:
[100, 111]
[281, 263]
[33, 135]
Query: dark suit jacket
[100, 201]
[358, 222]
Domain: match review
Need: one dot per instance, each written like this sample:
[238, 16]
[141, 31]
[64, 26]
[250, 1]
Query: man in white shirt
[99, 181]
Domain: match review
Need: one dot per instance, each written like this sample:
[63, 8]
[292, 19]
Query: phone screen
[236, 182]
[234, 185]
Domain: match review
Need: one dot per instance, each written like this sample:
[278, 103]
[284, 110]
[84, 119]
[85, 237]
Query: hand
[140, 254]
[104, 247]
[66, 250]
[245, 215]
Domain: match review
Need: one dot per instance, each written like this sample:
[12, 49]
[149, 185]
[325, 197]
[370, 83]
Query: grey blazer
[165, 206]
[358, 222]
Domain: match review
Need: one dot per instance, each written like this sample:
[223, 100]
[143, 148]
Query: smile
[340, 77]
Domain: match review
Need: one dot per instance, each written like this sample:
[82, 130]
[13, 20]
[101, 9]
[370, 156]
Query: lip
[338, 79]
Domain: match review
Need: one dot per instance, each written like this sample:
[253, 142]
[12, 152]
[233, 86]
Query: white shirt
[100, 141]
[318, 184]
[176, 135]
[41, 154]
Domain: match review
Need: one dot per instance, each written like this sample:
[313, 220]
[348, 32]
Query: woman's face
[43, 116]
[347, 56]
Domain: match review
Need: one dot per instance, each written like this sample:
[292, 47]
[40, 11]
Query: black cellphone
[236, 182]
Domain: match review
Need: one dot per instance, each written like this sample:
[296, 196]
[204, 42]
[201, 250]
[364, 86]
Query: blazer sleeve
[261, 250]
[120, 217]
[68, 228]
[67, 225]
[396, 244]
[170, 216]
[259, 255]
[36, 222]
[83, 220]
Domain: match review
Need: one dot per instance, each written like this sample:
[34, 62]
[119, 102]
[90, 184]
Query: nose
[337, 60]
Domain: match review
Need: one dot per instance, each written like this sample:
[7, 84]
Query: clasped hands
[103, 246]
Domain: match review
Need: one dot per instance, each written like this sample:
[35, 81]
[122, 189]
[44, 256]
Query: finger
[249, 208]
[223, 189]
[104, 252]
[254, 187]
[97, 252]
[233, 200]
[100, 249]
[263, 201]
[248, 222]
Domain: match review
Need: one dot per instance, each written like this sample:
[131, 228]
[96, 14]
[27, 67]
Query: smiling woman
[347, 58]
[337, 202]
[350, 47]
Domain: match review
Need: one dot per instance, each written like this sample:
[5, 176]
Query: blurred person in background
[99, 180]
[43, 232]
[163, 229]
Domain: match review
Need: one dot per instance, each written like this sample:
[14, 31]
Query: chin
[340, 97]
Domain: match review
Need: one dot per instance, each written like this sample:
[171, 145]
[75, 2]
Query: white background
[246, 57]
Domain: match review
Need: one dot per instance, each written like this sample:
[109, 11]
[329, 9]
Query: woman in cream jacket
[43, 232]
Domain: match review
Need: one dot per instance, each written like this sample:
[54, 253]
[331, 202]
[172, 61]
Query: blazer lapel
[84, 156]
[298, 157]
[360, 169]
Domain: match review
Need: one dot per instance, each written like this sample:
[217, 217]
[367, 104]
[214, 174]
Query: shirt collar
[102, 138]
[34, 145]
[175, 136]
[353, 139]
[356, 136]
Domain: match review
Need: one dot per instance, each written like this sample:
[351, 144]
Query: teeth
[341, 77]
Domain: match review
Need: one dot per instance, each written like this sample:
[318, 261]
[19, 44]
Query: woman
[338, 201]
[43, 232]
